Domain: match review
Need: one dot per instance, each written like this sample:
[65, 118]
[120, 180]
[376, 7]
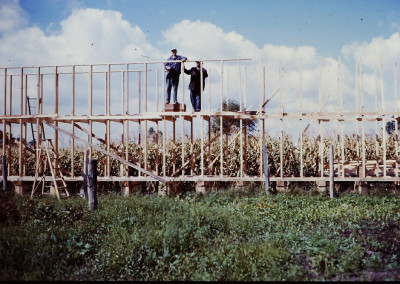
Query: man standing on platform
[195, 86]
[173, 72]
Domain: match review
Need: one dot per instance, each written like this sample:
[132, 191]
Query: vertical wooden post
[92, 192]
[56, 113]
[321, 141]
[266, 170]
[91, 108]
[245, 87]
[209, 145]
[183, 144]
[157, 91]
[357, 110]
[20, 148]
[191, 145]
[10, 130]
[127, 121]
[396, 122]
[25, 124]
[331, 172]
[140, 121]
[4, 164]
[362, 121]
[4, 110]
[383, 120]
[145, 110]
[73, 124]
[281, 121]
[157, 141]
[301, 120]
[262, 100]
[202, 146]
[174, 144]
[108, 123]
[20, 122]
[221, 144]
[221, 121]
[84, 191]
[164, 147]
[209, 90]
[376, 124]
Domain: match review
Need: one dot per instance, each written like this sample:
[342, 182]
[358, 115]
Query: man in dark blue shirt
[173, 73]
[195, 85]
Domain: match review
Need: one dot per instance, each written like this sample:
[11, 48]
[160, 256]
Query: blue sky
[326, 25]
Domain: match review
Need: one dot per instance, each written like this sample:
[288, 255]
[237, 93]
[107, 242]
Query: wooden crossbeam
[147, 172]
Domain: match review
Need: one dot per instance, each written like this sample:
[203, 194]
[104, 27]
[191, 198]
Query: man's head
[173, 51]
[198, 64]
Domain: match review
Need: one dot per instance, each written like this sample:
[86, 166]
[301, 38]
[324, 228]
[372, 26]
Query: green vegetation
[230, 235]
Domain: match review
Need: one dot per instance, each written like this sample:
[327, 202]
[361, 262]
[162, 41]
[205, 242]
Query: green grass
[229, 235]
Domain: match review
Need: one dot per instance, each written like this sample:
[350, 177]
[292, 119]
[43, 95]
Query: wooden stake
[92, 193]
[266, 170]
[4, 166]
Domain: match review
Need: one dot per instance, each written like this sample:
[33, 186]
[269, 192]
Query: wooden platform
[175, 107]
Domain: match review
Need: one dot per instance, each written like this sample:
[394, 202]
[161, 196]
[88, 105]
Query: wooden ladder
[47, 158]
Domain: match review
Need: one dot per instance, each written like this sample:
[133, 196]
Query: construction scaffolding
[107, 107]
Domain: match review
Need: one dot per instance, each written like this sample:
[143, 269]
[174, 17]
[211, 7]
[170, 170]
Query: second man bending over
[172, 78]
[195, 85]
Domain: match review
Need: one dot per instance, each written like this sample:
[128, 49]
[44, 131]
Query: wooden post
[84, 190]
[4, 164]
[92, 192]
[331, 172]
[266, 170]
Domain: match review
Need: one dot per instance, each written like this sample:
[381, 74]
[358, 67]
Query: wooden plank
[175, 108]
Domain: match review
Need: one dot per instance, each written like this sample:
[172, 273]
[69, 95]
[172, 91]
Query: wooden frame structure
[132, 105]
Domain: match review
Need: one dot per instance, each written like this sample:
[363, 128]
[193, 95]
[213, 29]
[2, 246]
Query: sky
[323, 34]
[325, 25]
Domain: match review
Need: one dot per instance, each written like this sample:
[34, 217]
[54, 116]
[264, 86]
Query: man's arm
[183, 58]
[205, 74]
[167, 65]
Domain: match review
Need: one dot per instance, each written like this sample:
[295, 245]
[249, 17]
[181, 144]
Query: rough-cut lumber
[175, 107]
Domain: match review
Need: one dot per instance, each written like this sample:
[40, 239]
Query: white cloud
[12, 16]
[371, 52]
[205, 40]
[87, 36]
